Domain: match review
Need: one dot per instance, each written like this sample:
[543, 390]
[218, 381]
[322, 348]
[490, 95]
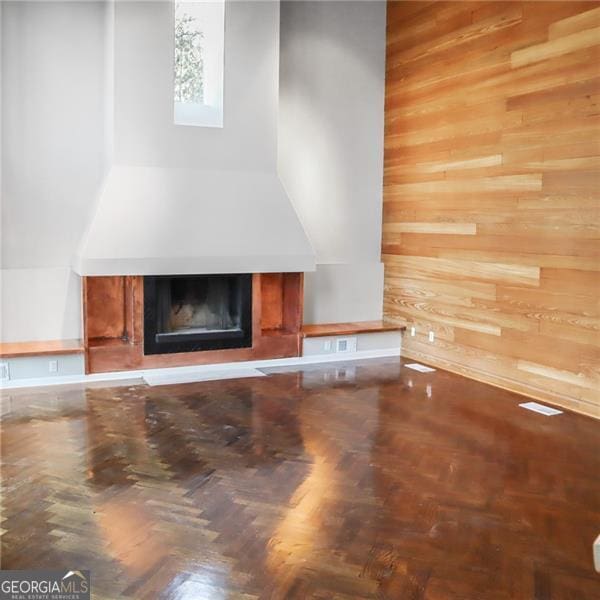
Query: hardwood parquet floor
[363, 480]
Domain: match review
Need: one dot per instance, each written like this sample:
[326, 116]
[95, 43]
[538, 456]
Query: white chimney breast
[162, 221]
[192, 200]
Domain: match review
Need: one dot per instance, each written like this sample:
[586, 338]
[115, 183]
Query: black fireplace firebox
[187, 313]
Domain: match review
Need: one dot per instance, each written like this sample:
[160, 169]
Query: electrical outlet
[4, 371]
[431, 336]
[52, 366]
[327, 345]
[413, 331]
[345, 344]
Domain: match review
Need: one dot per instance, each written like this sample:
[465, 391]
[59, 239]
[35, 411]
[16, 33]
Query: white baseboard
[215, 374]
[233, 366]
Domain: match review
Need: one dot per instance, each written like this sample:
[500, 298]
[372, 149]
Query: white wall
[145, 133]
[55, 137]
[344, 292]
[40, 304]
[67, 111]
[332, 78]
[52, 159]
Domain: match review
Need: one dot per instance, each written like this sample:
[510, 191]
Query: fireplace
[188, 313]
[145, 322]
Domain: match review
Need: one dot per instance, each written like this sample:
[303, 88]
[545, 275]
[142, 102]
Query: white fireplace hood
[163, 221]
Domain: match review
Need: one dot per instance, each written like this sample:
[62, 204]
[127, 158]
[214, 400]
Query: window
[198, 63]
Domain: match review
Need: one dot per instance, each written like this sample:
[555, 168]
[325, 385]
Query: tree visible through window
[189, 64]
[198, 62]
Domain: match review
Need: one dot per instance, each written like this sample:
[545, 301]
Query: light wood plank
[559, 374]
[512, 183]
[574, 24]
[444, 318]
[492, 178]
[436, 228]
[452, 269]
[555, 47]
[460, 289]
[551, 261]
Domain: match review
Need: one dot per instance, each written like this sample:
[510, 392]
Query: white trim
[216, 374]
[253, 364]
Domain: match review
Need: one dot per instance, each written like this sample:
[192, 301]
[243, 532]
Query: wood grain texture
[491, 218]
[282, 299]
[105, 306]
[121, 348]
[21, 349]
[385, 484]
[293, 302]
[348, 328]
[271, 300]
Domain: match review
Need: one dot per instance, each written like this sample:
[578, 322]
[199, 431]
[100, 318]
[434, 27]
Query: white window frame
[210, 112]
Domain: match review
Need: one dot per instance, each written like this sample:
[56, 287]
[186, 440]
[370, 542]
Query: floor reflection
[332, 481]
[309, 538]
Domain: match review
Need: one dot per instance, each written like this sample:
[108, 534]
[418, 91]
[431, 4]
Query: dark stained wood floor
[356, 481]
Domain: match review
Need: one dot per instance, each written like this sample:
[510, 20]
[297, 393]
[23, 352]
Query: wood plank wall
[491, 192]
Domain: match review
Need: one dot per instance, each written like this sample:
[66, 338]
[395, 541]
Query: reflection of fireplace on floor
[188, 313]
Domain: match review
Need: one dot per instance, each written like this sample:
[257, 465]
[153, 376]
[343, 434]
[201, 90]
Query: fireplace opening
[188, 313]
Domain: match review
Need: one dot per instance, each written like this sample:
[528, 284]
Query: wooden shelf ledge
[45, 348]
[107, 342]
[349, 328]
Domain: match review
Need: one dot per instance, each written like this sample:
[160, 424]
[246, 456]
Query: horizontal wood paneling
[491, 192]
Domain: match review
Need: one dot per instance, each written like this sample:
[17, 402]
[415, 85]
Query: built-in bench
[60, 358]
[50, 358]
[352, 328]
[357, 336]
[49, 347]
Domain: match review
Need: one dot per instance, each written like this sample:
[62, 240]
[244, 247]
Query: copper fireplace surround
[114, 324]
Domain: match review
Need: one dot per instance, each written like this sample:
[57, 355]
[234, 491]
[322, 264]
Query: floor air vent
[540, 408]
